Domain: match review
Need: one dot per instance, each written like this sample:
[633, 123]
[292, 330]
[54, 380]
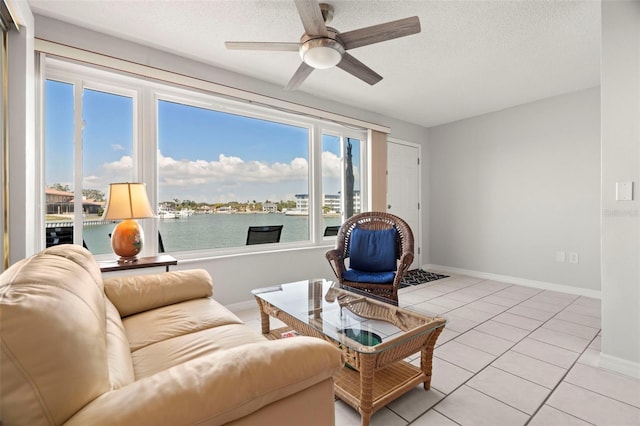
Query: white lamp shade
[127, 201]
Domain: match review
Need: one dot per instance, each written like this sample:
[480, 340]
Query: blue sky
[203, 155]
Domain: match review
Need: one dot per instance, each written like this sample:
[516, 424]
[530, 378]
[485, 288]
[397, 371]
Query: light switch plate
[624, 191]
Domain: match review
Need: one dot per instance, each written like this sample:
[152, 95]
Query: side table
[142, 262]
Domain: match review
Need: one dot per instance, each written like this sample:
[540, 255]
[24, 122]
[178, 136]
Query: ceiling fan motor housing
[321, 52]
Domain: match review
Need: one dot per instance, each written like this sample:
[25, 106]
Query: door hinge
[418, 250]
[418, 161]
[418, 206]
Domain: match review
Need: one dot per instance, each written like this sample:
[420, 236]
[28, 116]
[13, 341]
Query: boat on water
[168, 214]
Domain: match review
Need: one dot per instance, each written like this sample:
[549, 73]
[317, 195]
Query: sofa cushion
[373, 250]
[138, 293]
[159, 356]
[368, 277]
[54, 356]
[176, 320]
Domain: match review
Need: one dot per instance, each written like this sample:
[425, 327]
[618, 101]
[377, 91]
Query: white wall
[620, 163]
[510, 189]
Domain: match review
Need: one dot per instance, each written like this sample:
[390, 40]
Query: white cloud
[117, 147]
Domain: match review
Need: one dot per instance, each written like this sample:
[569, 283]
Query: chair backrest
[264, 234]
[60, 235]
[376, 221]
[330, 231]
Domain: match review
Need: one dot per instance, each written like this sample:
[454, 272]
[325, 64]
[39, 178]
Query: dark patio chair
[379, 247]
[331, 231]
[60, 235]
[264, 234]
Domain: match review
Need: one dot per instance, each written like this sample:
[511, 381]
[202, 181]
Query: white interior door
[403, 188]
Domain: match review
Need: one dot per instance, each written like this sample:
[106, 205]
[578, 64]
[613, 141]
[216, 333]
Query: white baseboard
[596, 294]
[619, 365]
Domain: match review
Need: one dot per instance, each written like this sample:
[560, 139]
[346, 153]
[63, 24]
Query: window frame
[146, 93]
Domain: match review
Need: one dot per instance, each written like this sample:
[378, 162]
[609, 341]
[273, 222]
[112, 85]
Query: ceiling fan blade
[257, 45]
[358, 69]
[381, 32]
[299, 76]
[311, 16]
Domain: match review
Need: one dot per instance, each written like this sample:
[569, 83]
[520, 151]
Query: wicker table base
[376, 378]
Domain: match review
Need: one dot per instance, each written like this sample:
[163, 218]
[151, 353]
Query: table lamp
[127, 201]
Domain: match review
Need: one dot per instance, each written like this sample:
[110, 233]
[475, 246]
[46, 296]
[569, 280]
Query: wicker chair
[373, 221]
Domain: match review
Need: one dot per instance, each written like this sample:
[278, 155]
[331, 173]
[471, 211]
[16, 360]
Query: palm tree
[350, 182]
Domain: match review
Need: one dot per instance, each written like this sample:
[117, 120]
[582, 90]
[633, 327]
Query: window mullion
[78, 120]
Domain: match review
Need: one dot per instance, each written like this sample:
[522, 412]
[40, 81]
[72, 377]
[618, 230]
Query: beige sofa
[145, 350]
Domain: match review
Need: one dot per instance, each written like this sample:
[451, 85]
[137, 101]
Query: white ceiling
[471, 57]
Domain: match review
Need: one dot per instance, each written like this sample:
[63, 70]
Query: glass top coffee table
[375, 338]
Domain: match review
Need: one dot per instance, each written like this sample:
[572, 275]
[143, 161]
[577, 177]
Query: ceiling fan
[322, 47]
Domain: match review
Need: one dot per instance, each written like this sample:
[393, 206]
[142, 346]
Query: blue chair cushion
[373, 250]
[368, 277]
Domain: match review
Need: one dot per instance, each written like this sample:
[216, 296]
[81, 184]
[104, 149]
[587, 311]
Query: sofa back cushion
[53, 357]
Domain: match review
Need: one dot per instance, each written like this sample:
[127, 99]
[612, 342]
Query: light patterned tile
[463, 356]
[505, 331]
[446, 335]
[471, 314]
[459, 324]
[588, 302]
[592, 407]
[502, 301]
[589, 321]
[512, 390]
[482, 305]
[546, 352]
[571, 328]
[592, 311]
[617, 386]
[467, 406]
[567, 341]
[485, 342]
[532, 313]
[348, 416]
[447, 302]
[415, 402]
[433, 418]
[590, 357]
[492, 285]
[534, 370]
[445, 377]
[462, 297]
[549, 416]
[430, 309]
[541, 306]
[518, 321]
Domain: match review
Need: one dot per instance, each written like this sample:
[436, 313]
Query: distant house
[270, 207]
[62, 202]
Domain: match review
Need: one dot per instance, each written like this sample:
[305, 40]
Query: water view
[208, 231]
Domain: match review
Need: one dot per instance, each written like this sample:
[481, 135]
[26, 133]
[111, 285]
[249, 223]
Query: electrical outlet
[574, 257]
[560, 257]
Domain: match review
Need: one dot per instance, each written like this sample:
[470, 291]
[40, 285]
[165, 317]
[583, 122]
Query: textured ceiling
[472, 57]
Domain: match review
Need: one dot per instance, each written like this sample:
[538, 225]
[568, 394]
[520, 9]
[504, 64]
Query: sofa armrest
[218, 388]
[137, 293]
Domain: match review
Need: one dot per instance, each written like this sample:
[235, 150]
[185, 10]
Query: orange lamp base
[127, 240]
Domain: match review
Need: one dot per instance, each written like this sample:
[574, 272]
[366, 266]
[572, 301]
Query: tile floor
[509, 355]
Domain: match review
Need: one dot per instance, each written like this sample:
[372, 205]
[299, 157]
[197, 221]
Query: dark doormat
[419, 276]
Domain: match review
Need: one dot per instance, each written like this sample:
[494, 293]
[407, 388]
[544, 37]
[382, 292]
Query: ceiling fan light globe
[321, 53]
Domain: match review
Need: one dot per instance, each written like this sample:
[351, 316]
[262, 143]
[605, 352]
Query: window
[341, 177]
[103, 155]
[213, 167]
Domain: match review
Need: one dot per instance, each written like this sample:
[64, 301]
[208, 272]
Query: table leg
[367, 364]
[264, 319]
